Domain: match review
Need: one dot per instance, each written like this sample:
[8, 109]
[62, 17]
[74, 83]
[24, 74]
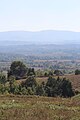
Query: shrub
[77, 72]
[59, 87]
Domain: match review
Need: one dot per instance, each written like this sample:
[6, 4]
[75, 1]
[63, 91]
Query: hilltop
[41, 37]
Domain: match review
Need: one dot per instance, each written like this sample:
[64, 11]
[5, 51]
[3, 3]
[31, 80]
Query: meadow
[39, 108]
[23, 107]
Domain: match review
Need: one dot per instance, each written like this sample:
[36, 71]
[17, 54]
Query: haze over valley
[40, 37]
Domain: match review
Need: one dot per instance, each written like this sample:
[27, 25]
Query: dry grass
[75, 80]
[39, 108]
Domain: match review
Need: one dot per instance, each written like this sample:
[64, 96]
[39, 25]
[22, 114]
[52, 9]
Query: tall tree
[18, 69]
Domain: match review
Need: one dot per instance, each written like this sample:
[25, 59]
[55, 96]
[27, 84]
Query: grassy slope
[39, 108]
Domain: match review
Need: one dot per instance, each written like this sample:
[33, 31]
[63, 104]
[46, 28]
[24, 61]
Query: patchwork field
[39, 108]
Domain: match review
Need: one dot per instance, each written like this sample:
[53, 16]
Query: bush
[30, 72]
[3, 79]
[58, 72]
[40, 90]
[77, 72]
[59, 87]
[30, 82]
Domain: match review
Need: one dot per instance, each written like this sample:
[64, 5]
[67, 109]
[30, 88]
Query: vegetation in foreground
[39, 108]
[19, 103]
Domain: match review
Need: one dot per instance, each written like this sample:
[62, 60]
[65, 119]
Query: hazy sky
[35, 15]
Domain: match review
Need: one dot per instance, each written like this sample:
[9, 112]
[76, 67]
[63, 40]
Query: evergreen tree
[17, 69]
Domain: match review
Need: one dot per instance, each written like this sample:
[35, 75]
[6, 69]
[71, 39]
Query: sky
[37, 15]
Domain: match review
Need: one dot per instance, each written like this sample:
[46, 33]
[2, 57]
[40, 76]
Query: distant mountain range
[42, 37]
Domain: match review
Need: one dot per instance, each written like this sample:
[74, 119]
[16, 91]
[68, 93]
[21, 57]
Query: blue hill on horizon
[42, 37]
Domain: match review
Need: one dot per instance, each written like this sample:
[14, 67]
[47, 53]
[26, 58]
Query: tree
[30, 82]
[30, 72]
[58, 72]
[12, 84]
[17, 69]
[39, 73]
[59, 87]
[50, 73]
[66, 88]
[77, 72]
[46, 74]
[40, 90]
[51, 87]
[3, 79]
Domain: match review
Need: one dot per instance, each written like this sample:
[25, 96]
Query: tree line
[18, 70]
